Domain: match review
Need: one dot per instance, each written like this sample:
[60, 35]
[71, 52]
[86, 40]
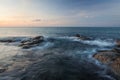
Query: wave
[8, 51]
[43, 46]
[97, 42]
[100, 43]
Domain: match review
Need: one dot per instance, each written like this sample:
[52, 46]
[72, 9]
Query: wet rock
[26, 46]
[2, 70]
[39, 37]
[82, 37]
[9, 41]
[31, 42]
[117, 50]
[118, 43]
[24, 41]
[110, 58]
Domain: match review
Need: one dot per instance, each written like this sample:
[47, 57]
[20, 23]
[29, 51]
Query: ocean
[100, 32]
[58, 40]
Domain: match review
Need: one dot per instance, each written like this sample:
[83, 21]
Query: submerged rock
[8, 40]
[64, 67]
[82, 37]
[31, 42]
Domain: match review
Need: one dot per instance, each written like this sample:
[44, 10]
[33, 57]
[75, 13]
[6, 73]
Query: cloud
[37, 20]
[84, 15]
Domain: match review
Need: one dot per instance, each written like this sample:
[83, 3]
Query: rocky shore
[110, 58]
[25, 43]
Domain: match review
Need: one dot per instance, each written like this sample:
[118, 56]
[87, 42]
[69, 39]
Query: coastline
[32, 49]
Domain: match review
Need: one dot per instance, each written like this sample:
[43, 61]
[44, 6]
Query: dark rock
[26, 46]
[78, 35]
[9, 41]
[25, 41]
[2, 70]
[104, 50]
[39, 37]
[82, 37]
[117, 50]
[118, 43]
[32, 42]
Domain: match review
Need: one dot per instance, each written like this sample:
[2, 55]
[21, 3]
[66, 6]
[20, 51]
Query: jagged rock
[31, 42]
[82, 37]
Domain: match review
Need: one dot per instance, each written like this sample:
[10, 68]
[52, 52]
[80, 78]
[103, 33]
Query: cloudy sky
[30, 13]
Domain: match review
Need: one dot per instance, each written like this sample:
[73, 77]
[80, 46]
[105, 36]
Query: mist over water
[58, 42]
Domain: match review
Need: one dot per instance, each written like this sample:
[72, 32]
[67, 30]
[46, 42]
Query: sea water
[58, 40]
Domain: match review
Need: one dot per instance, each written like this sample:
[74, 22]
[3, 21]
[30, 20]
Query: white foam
[8, 51]
[97, 42]
[44, 46]
[100, 43]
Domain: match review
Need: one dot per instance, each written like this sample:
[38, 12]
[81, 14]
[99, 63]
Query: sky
[71, 13]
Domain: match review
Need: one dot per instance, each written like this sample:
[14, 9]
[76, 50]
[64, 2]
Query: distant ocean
[98, 32]
[64, 42]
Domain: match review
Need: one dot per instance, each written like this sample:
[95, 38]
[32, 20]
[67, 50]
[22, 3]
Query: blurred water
[61, 41]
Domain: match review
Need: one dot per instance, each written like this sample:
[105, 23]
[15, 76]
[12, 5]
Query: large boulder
[110, 58]
[82, 37]
[31, 42]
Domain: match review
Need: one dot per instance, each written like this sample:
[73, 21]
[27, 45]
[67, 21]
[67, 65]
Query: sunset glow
[14, 13]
